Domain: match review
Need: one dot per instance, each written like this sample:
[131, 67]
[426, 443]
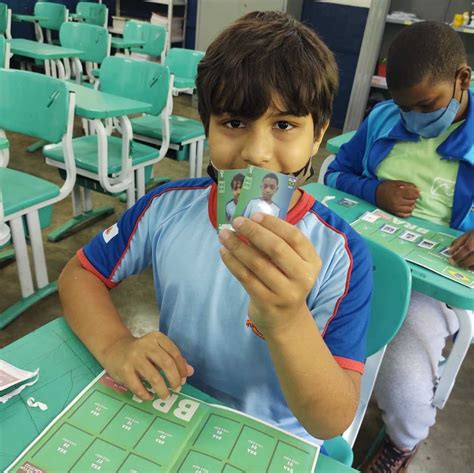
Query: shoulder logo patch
[110, 232]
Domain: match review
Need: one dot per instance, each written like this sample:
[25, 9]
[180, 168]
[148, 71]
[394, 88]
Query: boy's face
[276, 141]
[236, 188]
[428, 96]
[269, 187]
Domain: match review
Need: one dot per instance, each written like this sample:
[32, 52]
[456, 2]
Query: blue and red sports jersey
[203, 308]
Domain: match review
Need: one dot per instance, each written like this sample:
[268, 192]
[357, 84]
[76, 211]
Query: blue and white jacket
[353, 170]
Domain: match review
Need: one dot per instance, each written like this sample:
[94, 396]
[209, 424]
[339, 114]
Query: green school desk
[28, 18]
[95, 105]
[122, 43]
[43, 51]
[457, 296]
[66, 367]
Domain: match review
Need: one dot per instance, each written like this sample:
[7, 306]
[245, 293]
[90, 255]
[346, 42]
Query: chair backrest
[154, 37]
[145, 81]
[55, 14]
[93, 40]
[183, 63]
[33, 104]
[93, 13]
[4, 59]
[5, 20]
[390, 298]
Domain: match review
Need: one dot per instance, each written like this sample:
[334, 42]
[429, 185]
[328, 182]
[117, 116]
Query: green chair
[390, 299]
[42, 107]
[5, 21]
[92, 13]
[152, 36]
[53, 14]
[332, 146]
[4, 54]
[93, 40]
[183, 63]
[127, 165]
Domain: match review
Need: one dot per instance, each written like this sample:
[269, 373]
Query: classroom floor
[449, 447]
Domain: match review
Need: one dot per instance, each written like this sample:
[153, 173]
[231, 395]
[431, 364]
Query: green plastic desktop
[43, 51]
[66, 367]
[122, 43]
[28, 18]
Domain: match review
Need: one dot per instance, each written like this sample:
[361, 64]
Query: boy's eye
[283, 125]
[234, 124]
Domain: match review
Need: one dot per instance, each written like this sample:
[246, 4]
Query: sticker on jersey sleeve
[110, 232]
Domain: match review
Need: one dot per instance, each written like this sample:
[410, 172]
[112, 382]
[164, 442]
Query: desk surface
[91, 103]
[36, 50]
[118, 42]
[423, 280]
[29, 18]
[66, 367]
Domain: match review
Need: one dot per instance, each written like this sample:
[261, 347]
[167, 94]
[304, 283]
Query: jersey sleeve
[123, 249]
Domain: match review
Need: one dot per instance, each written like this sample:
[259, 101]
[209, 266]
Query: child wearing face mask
[414, 155]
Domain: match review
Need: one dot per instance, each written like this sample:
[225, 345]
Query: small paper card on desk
[415, 244]
[265, 191]
[107, 429]
[13, 380]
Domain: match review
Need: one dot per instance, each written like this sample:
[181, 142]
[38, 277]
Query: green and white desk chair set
[152, 39]
[127, 166]
[186, 133]
[91, 13]
[5, 21]
[42, 107]
[390, 299]
[93, 40]
[52, 15]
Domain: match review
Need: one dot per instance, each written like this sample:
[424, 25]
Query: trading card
[369, 217]
[229, 185]
[445, 252]
[427, 244]
[345, 202]
[409, 236]
[388, 229]
[265, 191]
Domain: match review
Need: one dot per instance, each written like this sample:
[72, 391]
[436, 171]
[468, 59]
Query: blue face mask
[431, 124]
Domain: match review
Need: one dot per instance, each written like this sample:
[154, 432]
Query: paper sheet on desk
[13, 380]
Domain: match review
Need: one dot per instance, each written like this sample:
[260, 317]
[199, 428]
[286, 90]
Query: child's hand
[277, 268]
[397, 197]
[131, 360]
[461, 250]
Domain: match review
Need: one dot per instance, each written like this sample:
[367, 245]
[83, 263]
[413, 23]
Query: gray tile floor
[450, 445]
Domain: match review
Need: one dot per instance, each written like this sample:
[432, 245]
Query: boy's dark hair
[270, 175]
[265, 56]
[237, 179]
[428, 49]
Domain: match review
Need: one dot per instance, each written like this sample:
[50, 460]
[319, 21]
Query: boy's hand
[461, 250]
[131, 360]
[277, 267]
[397, 197]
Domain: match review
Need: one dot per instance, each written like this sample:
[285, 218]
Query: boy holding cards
[415, 156]
[270, 319]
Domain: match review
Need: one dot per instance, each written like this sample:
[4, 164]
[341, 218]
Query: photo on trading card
[345, 202]
[265, 191]
[409, 236]
[388, 229]
[427, 244]
[445, 252]
[229, 185]
[369, 217]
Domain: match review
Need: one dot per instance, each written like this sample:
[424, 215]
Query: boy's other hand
[397, 197]
[277, 267]
[131, 360]
[461, 250]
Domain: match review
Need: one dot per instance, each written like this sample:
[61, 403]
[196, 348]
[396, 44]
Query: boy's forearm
[321, 394]
[89, 309]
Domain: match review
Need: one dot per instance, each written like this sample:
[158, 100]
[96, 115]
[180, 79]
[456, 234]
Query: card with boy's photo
[409, 236]
[427, 244]
[229, 185]
[388, 229]
[445, 252]
[265, 191]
